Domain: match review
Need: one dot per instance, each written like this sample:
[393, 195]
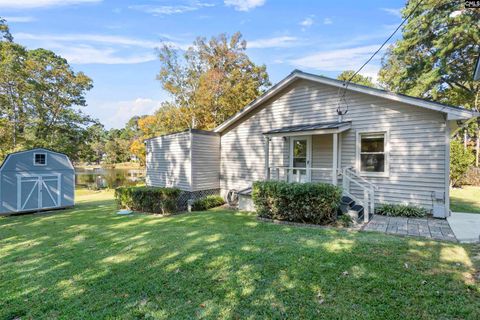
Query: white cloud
[97, 48]
[307, 22]
[393, 11]
[85, 54]
[117, 40]
[169, 10]
[121, 111]
[327, 21]
[24, 4]
[342, 59]
[19, 19]
[276, 42]
[244, 5]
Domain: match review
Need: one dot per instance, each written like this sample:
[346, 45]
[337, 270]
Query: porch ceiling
[308, 129]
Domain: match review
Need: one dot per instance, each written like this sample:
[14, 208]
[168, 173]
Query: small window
[372, 152]
[40, 159]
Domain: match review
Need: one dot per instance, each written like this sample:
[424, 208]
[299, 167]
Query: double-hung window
[373, 155]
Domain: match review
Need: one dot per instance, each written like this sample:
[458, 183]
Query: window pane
[300, 149]
[373, 143]
[372, 162]
[40, 158]
[300, 162]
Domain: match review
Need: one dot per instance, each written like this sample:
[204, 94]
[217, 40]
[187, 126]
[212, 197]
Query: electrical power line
[380, 48]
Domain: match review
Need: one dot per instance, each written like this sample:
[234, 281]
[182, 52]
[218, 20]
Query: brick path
[421, 227]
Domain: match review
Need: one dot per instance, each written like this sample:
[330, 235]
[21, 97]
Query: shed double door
[35, 192]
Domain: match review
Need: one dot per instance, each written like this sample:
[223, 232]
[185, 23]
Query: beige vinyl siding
[205, 162]
[168, 161]
[322, 157]
[416, 140]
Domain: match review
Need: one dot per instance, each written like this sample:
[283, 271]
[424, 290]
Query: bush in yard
[299, 202]
[400, 210]
[148, 199]
[207, 203]
[460, 160]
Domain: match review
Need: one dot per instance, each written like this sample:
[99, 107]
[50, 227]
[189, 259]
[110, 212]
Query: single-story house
[379, 146]
[36, 180]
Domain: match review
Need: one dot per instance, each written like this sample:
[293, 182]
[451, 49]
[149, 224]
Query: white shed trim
[453, 113]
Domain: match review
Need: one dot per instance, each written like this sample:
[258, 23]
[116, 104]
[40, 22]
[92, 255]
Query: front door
[300, 159]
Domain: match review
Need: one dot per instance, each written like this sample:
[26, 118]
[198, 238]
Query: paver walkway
[421, 227]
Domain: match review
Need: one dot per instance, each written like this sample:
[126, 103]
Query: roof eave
[451, 112]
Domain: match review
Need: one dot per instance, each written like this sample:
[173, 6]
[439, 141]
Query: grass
[89, 263]
[466, 199]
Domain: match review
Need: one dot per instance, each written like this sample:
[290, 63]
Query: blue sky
[114, 42]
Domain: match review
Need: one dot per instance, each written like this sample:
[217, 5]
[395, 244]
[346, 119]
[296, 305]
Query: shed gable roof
[453, 113]
[13, 154]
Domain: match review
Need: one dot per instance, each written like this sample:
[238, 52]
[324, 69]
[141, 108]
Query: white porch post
[335, 159]
[267, 158]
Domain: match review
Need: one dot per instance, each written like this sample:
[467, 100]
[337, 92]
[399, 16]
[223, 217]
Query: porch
[313, 153]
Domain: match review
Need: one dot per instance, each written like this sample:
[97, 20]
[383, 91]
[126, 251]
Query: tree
[5, 34]
[116, 147]
[94, 145]
[210, 82]
[14, 91]
[137, 148]
[39, 99]
[460, 160]
[436, 55]
[358, 78]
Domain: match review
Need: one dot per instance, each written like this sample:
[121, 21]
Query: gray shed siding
[168, 161]
[205, 162]
[188, 160]
[18, 165]
[416, 140]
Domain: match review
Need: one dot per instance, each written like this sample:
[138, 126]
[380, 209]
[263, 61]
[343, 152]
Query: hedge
[400, 210]
[298, 202]
[148, 199]
[207, 203]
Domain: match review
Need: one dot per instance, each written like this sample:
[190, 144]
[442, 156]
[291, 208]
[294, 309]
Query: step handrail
[350, 171]
[368, 188]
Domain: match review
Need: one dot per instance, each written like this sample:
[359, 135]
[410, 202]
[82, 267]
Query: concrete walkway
[465, 226]
[420, 227]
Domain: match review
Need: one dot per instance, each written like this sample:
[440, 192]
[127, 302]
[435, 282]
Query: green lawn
[89, 263]
[466, 199]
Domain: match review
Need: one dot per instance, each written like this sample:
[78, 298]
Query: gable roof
[453, 113]
[2, 165]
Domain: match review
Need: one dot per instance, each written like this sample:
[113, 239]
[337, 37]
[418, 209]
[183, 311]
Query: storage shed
[188, 160]
[36, 180]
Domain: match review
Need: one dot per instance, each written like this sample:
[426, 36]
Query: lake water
[100, 178]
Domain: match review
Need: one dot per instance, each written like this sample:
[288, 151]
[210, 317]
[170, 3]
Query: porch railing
[295, 174]
[367, 191]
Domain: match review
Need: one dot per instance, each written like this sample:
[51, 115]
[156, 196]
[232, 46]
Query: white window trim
[386, 133]
[35, 156]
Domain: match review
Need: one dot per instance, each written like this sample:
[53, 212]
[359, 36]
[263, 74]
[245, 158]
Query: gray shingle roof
[309, 127]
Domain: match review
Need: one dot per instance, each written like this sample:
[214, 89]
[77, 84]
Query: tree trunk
[477, 148]
[465, 138]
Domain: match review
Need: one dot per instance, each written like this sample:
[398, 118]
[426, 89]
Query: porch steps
[348, 207]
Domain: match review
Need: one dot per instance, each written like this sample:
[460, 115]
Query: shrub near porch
[298, 202]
